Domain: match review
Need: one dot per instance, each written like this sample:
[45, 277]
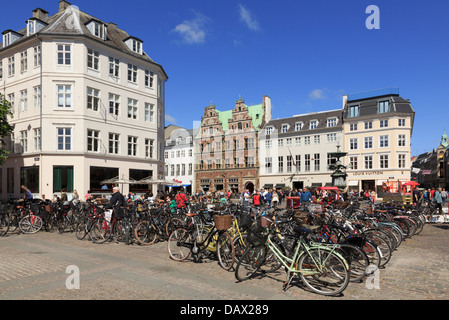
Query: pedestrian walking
[439, 200]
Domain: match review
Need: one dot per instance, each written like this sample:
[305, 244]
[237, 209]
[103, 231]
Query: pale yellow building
[377, 128]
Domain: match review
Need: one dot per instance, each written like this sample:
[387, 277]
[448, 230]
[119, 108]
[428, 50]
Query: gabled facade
[227, 147]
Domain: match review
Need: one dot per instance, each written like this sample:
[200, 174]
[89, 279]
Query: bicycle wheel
[240, 245]
[4, 224]
[384, 247]
[100, 231]
[145, 233]
[323, 271]
[171, 225]
[180, 244]
[119, 230]
[357, 259]
[250, 262]
[30, 224]
[225, 251]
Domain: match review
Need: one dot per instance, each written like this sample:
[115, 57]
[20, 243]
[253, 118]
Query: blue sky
[304, 54]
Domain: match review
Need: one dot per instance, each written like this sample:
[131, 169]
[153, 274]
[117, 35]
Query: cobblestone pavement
[33, 267]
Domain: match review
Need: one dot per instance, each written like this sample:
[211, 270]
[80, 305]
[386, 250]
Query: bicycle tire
[4, 225]
[145, 233]
[250, 262]
[357, 259]
[172, 224]
[180, 244]
[240, 245]
[384, 247]
[225, 251]
[334, 274]
[100, 231]
[30, 224]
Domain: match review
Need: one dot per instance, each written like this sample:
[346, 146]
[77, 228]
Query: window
[307, 162]
[149, 149]
[11, 66]
[149, 112]
[132, 109]
[64, 137]
[269, 130]
[383, 161]
[6, 39]
[280, 142]
[268, 165]
[297, 141]
[136, 46]
[1, 69]
[353, 163]
[383, 107]
[30, 27]
[268, 144]
[132, 146]
[93, 99]
[316, 139]
[37, 139]
[11, 98]
[114, 67]
[114, 142]
[317, 162]
[284, 128]
[368, 142]
[24, 100]
[330, 160]
[298, 126]
[401, 122]
[298, 162]
[64, 96]
[331, 138]
[307, 140]
[93, 140]
[114, 104]
[313, 124]
[98, 30]
[172, 170]
[132, 73]
[353, 127]
[401, 140]
[64, 54]
[37, 92]
[281, 164]
[353, 111]
[368, 125]
[149, 79]
[368, 162]
[93, 58]
[353, 143]
[23, 141]
[289, 142]
[23, 61]
[383, 141]
[383, 123]
[190, 169]
[331, 122]
[401, 161]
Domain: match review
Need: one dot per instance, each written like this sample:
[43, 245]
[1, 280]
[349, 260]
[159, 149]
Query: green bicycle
[320, 266]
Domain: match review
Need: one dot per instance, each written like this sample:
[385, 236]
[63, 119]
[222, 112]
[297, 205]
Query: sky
[304, 54]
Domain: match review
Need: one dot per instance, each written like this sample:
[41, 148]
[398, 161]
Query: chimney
[40, 14]
[345, 101]
[63, 5]
[267, 108]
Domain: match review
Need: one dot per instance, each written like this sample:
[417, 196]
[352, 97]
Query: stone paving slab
[33, 267]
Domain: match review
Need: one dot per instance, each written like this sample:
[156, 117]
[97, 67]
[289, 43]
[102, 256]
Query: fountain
[338, 176]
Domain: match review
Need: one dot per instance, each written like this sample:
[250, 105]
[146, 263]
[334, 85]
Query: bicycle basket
[223, 222]
[255, 235]
[245, 220]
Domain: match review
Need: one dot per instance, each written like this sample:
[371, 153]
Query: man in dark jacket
[117, 199]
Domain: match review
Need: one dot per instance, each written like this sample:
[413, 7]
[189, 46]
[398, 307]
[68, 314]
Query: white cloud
[317, 94]
[248, 19]
[170, 119]
[193, 31]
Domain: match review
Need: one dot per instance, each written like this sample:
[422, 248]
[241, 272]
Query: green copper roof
[253, 111]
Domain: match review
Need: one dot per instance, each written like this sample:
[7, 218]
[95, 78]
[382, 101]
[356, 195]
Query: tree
[5, 127]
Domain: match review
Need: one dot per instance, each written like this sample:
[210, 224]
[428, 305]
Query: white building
[179, 157]
[88, 105]
[295, 152]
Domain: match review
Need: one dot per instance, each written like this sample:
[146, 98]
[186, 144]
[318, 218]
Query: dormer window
[313, 124]
[34, 25]
[9, 37]
[134, 44]
[98, 29]
[331, 122]
[298, 126]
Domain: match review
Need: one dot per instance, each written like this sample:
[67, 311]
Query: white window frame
[384, 161]
[132, 73]
[65, 94]
[402, 138]
[132, 146]
[64, 54]
[384, 141]
[65, 136]
[114, 104]
[149, 112]
[114, 67]
[93, 99]
[113, 143]
[133, 108]
[93, 140]
[313, 124]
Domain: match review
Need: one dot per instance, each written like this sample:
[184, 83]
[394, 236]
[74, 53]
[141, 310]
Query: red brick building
[226, 148]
